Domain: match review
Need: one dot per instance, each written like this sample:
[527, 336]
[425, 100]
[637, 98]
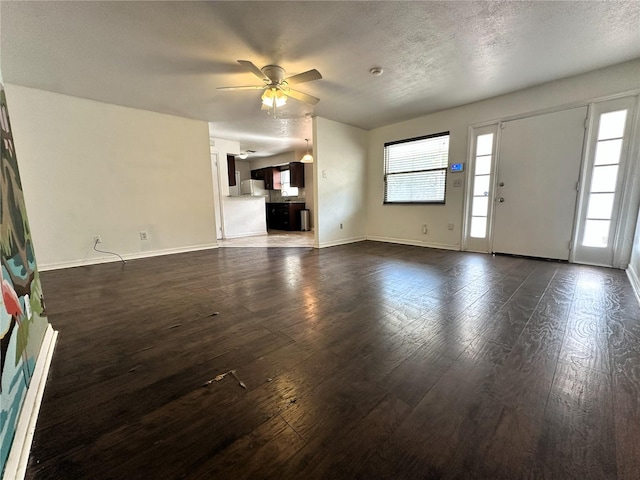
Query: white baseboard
[130, 256]
[415, 243]
[250, 234]
[342, 241]
[634, 278]
[16, 466]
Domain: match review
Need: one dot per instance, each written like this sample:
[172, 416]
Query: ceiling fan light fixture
[267, 97]
[307, 157]
[243, 155]
[281, 98]
[273, 96]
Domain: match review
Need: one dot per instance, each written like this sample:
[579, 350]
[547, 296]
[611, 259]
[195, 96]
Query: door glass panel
[483, 165]
[480, 205]
[481, 186]
[600, 206]
[596, 233]
[478, 227]
[612, 125]
[608, 152]
[604, 179]
[484, 144]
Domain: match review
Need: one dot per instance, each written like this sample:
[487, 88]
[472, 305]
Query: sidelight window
[604, 179]
[481, 186]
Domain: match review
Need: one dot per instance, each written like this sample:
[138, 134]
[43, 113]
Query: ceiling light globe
[268, 97]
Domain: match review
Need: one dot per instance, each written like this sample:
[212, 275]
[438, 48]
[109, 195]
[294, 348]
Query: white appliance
[254, 188]
[234, 191]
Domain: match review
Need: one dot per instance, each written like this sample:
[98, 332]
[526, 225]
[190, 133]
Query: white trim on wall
[248, 234]
[342, 241]
[16, 466]
[405, 241]
[634, 278]
[556, 108]
[132, 256]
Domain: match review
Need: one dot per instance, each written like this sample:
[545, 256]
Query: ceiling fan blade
[303, 97]
[243, 87]
[253, 69]
[304, 77]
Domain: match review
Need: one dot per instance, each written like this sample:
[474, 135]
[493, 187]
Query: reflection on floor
[275, 238]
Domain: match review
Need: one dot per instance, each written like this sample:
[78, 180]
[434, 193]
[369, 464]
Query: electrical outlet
[97, 239]
[143, 235]
[457, 183]
[451, 226]
[424, 228]
[340, 226]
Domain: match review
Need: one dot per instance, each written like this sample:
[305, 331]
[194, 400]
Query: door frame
[630, 193]
[218, 209]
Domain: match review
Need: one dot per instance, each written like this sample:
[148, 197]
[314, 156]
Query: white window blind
[415, 170]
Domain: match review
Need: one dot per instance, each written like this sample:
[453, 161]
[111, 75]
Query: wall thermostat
[457, 167]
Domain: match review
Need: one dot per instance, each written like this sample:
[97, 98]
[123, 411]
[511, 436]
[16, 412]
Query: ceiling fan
[276, 86]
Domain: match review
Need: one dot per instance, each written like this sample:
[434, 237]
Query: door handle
[500, 200]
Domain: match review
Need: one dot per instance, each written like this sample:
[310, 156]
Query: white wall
[90, 168]
[340, 170]
[403, 223]
[244, 216]
[309, 193]
[634, 265]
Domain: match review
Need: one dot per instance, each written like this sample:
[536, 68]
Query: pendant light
[307, 158]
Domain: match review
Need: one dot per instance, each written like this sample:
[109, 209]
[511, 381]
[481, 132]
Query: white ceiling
[170, 56]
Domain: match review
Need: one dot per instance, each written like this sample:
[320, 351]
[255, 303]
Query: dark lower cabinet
[284, 216]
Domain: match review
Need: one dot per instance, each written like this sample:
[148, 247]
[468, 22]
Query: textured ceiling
[170, 56]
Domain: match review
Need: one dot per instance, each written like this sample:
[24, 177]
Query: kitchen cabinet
[231, 170]
[296, 170]
[284, 216]
[272, 178]
[258, 174]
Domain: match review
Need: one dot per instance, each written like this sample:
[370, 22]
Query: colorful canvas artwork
[23, 319]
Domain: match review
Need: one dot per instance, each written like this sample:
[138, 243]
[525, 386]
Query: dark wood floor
[369, 361]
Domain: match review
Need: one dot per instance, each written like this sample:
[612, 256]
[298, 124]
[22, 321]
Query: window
[415, 170]
[481, 185]
[604, 179]
[286, 190]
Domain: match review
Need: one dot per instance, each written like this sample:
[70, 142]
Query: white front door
[536, 184]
